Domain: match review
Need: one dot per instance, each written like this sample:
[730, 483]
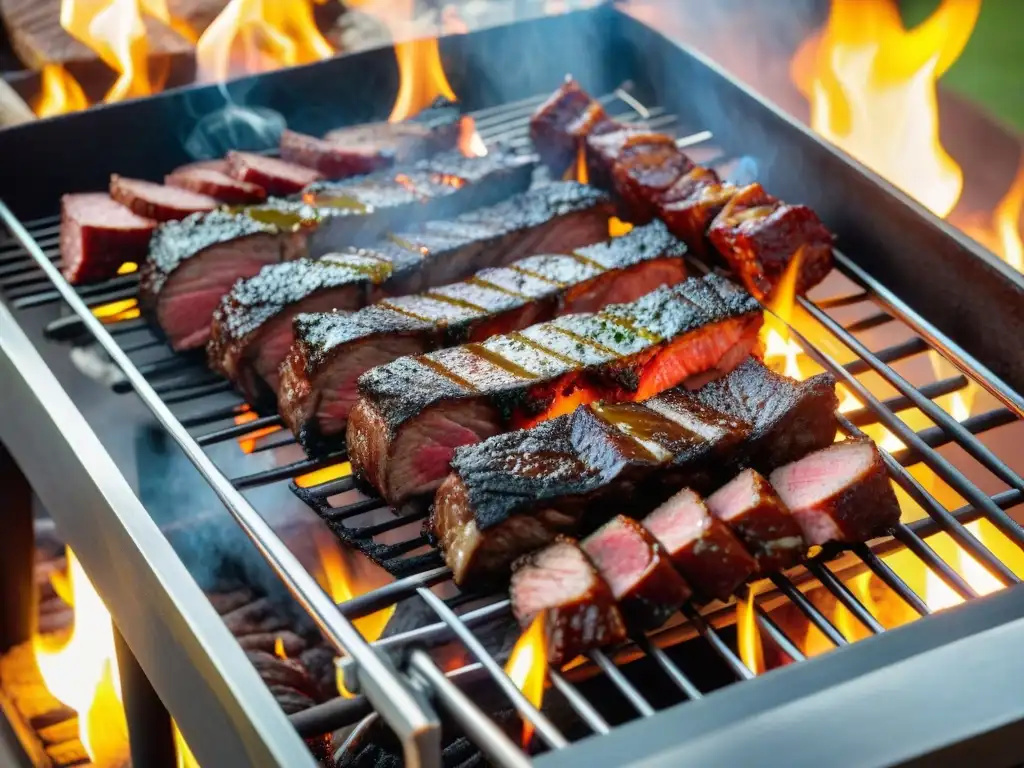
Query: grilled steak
[435, 129]
[98, 235]
[414, 412]
[840, 493]
[331, 159]
[754, 512]
[333, 350]
[701, 546]
[634, 565]
[215, 183]
[220, 244]
[278, 177]
[760, 236]
[560, 585]
[756, 234]
[514, 492]
[157, 202]
[788, 419]
[253, 323]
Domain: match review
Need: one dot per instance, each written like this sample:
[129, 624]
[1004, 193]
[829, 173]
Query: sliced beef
[761, 236]
[701, 546]
[332, 159]
[333, 350]
[435, 129]
[560, 585]
[634, 565]
[840, 493]
[278, 177]
[413, 412]
[755, 513]
[788, 419]
[98, 235]
[156, 201]
[562, 122]
[216, 184]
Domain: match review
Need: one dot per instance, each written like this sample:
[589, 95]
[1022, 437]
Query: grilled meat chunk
[414, 412]
[253, 324]
[98, 235]
[644, 166]
[216, 183]
[562, 122]
[332, 159]
[760, 236]
[209, 248]
[514, 492]
[634, 565]
[840, 493]
[701, 546]
[278, 177]
[690, 205]
[333, 350]
[755, 513]
[436, 129]
[157, 202]
[788, 419]
[560, 585]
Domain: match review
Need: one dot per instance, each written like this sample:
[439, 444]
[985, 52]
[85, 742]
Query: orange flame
[422, 77]
[343, 579]
[471, 143]
[248, 441]
[780, 351]
[59, 93]
[279, 648]
[748, 634]
[527, 666]
[185, 758]
[871, 84]
[1003, 235]
[318, 476]
[251, 36]
[578, 170]
[617, 227]
[81, 671]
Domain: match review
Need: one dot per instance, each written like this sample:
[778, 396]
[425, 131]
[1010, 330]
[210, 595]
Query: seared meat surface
[98, 235]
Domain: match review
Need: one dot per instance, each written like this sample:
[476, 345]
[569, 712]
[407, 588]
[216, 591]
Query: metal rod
[935, 437]
[239, 430]
[18, 594]
[150, 734]
[407, 713]
[891, 579]
[863, 416]
[807, 608]
[843, 594]
[778, 637]
[382, 597]
[620, 681]
[579, 703]
[669, 667]
[926, 526]
[718, 644]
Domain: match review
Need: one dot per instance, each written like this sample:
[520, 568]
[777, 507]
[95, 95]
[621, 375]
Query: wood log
[13, 109]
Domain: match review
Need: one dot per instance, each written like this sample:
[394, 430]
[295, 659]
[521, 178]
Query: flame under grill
[396, 542]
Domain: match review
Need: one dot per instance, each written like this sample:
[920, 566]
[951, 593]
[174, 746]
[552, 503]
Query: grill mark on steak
[98, 235]
[514, 492]
[643, 349]
[579, 612]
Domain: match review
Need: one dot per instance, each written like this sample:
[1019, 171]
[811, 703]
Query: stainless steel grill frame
[406, 697]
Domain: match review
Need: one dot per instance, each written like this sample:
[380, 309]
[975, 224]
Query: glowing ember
[59, 93]
[527, 666]
[248, 441]
[617, 227]
[333, 472]
[127, 268]
[251, 36]
[81, 671]
[871, 85]
[126, 309]
[115, 31]
[748, 635]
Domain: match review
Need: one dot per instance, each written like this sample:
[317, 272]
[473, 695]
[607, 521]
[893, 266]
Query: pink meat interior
[621, 555]
[678, 521]
[822, 474]
[735, 497]
[560, 575]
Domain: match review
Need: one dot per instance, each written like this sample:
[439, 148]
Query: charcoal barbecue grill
[937, 690]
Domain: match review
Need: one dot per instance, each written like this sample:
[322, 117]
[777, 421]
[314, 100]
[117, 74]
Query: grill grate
[396, 542]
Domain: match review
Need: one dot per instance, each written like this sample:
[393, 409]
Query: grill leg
[150, 736]
[18, 598]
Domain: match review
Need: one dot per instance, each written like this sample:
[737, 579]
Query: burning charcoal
[290, 643]
[255, 618]
[319, 661]
[290, 700]
[225, 602]
[277, 671]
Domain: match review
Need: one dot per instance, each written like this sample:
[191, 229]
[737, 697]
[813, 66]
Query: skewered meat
[331, 351]
[515, 492]
[414, 412]
[252, 328]
[645, 165]
[755, 513]
[840, 493]
[690, 205]
[278, 177]
[578, 609]
[98, 235]
[156, 201]
[635, 567]
[701, 546]
[217, 184]
[562, 122]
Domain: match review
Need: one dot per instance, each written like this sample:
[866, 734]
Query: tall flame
[527, 666]
[81, 671]
[780, 351]
[340, 580]
[748, 635]
[59, 92]
[251, 36]
[1003, 235]
[871, 84]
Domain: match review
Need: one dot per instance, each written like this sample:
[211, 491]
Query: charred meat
[414, 412]
[562, 587]
[98, 235]
[562, 123]
[840, 493]
[332, 350]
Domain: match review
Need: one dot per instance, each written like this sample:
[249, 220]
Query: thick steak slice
[332, 159]
[98, 235]
[156, 201]
[701, 546]
[517, 491]
[634, 565]
[572, 215]
[755, 513]
[840, 493]
[217, 184]
[562, 586]
[193, 262]
[562, 122]
[332, 351]
[278, 177]
[414, 412]
[436, 129]
[788, 419]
